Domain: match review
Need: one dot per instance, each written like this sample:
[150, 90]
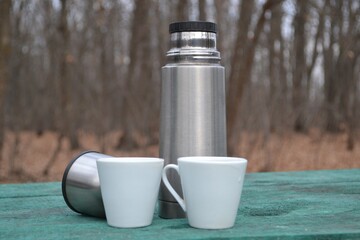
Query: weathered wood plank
[289, 205]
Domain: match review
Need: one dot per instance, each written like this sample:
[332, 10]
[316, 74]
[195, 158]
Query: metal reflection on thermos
[81, 185]
[193, 121]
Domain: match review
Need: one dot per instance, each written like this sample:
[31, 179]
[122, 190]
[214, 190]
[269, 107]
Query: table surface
[279, 205]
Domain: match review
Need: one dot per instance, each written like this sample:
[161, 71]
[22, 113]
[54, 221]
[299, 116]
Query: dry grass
[286, 152]
[296, 152]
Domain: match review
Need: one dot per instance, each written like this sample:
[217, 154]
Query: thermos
[193, 121]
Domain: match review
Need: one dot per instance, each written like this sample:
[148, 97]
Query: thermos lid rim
[192, 26]
[63, 183]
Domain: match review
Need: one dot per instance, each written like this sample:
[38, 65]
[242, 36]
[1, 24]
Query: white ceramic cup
[212, 189]
[129, 188]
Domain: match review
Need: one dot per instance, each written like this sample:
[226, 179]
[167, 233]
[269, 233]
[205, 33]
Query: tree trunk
[331, 73]
[202, 10]
[242, 62]
[182, 13]
[221, 7]
[5, 49]
[67, 128]
[299, 97]
[15, 90]
[104, 76]
[275, 67]
[132, 102]
[237, 68]
[349, 42]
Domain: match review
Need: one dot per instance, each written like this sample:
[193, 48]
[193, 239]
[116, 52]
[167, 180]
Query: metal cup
[81, 185]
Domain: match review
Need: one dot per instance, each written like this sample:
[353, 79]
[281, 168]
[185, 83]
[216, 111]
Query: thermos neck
[193, 42]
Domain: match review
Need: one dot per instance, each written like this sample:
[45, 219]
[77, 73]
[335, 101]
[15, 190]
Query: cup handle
[169, 187]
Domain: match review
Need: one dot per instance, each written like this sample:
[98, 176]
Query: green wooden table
[282, 205]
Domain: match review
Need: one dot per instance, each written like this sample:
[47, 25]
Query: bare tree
[104, 72]
[221, 7]
[329, 74]
[349, 43]
[237, 69]
[17, 37]
[277, 78]
[5, 48]
[66, 126]
[242, 62]
[340, 55]
[182, 13]
[202, 10]
[299, 94]
[131, 102]
[66, 57]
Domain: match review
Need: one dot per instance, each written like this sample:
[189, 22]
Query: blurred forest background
[78, 75]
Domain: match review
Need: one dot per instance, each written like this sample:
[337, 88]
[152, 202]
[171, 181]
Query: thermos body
[193, 118]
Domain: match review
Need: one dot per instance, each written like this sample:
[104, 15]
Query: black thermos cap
[192, 26]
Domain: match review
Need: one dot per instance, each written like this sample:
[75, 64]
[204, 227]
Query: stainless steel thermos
[193, 121]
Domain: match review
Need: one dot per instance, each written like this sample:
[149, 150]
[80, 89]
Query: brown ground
[285, 152]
